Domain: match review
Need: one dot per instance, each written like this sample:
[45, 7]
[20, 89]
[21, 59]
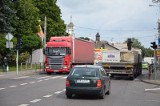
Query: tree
[28, 16]
[7, 15]
[145, 51]
[55, 25]
[5, 52]
[31, 43]
[85, 38]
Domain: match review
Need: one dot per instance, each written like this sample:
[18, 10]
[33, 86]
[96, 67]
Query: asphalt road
[49, 90]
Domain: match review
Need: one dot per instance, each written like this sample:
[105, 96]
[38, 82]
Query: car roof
[88, 66]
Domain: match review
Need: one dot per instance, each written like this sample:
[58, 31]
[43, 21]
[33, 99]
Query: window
[83, 71]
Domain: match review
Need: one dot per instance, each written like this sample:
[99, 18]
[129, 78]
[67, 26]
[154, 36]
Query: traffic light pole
[155, 64]
[17, 61]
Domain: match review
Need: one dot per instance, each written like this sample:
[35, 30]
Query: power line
[112, 29]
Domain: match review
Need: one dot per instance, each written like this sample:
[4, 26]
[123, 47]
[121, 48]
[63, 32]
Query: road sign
[158, 52]
[9, 36]
[9, 44]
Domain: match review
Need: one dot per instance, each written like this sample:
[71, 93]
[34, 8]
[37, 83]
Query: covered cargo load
[124, 62]
[83, 51]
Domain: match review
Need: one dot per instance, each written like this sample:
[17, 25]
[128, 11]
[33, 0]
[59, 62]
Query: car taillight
[99, 83]
[67, 83]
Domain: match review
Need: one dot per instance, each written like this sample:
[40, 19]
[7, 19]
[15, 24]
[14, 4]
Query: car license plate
[56, 71]
[83, 81]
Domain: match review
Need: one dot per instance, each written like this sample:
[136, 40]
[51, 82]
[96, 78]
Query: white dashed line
[24, 84]
[43, 77]
[153, 89]
[46, 79]
[13, 86]
[23, 105]
[36, 100]
[47, 96]
[21, 77]
[64, 90]
[40, 81]
[55, 77]
[58, 92]
[32, 82]
[63, 77]
[2, 88]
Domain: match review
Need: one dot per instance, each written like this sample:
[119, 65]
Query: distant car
[88, 79]
[145, 65]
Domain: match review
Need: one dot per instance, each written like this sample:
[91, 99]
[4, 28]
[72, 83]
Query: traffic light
[154, 46]
[129, 44]
[19, 43]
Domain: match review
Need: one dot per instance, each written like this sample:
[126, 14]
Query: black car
[88, 79]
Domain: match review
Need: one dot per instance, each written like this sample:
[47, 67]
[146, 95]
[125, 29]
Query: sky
[115, 20]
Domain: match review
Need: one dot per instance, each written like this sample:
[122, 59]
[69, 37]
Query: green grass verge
[14, 68]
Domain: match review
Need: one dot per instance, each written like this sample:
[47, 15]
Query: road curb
[150, 82]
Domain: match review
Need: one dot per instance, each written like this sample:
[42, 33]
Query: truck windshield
[56, 51]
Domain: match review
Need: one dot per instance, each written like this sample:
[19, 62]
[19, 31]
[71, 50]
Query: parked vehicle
[145, 65]
[122, 63]
[64, 52]
[88, 79]
[149, 60]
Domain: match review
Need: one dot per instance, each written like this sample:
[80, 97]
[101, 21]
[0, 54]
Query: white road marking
[24, 84]
[23, 105]
[2, 88]
[13, 86]
[63, 77]
[43, 77]
[64, 90]
[55, 77]
[36, 100]
[46, 79]
[21, 77]
[47, 96]
[1, 75]
[32, 82]
[153, 89]
[40, 81]
[58, 92]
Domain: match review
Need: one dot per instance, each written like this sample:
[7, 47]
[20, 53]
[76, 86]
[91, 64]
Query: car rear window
[79, 71]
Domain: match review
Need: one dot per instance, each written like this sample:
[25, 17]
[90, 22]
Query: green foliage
[21, 58]
[55, 25]
[31, 42]
[7, 15]
[28, 17]
[145, 51]
[21, 17]
[85, 38]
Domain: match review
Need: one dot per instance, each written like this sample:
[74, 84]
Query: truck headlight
[65, 67]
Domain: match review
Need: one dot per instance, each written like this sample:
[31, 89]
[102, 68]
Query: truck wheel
[132, 78]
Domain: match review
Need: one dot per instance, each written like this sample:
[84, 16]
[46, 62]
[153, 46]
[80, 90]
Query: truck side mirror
[69, 51]
[44, 51]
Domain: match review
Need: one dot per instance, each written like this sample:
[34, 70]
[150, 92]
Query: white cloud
[113, 19]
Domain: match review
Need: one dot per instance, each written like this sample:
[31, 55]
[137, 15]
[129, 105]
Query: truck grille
[56, 62]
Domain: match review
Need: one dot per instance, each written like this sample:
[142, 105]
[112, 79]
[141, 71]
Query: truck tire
[132, 78]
